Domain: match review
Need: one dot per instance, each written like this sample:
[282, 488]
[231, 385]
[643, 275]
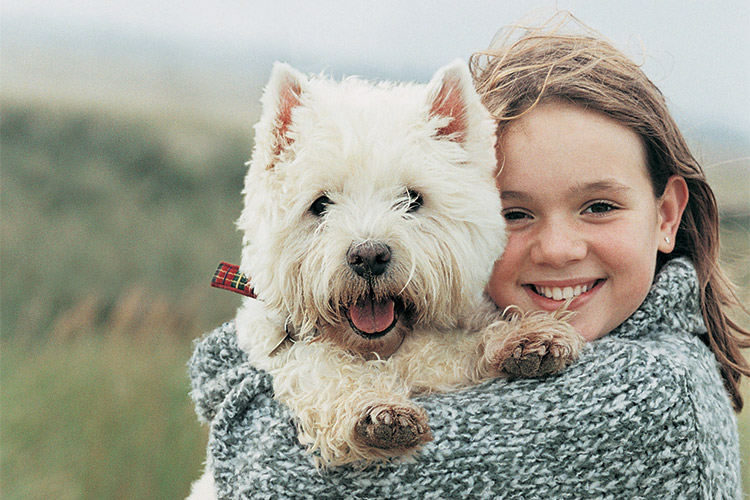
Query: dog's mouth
[372, 318]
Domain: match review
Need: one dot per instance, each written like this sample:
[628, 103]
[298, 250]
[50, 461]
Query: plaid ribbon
[229, 277]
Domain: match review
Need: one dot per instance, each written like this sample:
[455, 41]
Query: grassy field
[111, 228]
[98, 417]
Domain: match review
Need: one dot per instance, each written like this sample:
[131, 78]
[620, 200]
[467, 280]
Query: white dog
[371, 225]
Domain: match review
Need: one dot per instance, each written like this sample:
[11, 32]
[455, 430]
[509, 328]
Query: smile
[564, 293]
[372, 318]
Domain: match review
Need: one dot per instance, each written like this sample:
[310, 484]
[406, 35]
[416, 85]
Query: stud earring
[666, 238]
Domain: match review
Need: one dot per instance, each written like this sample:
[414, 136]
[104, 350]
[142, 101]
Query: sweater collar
[672, 302]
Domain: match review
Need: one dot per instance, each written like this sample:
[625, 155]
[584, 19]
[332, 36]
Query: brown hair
[526, 66]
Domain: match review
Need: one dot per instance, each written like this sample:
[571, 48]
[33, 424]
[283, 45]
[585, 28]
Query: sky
[697, 52]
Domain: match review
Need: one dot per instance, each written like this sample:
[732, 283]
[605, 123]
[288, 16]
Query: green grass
[98, 418]
[111, 227]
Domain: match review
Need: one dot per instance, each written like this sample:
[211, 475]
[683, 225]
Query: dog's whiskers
[412, 272]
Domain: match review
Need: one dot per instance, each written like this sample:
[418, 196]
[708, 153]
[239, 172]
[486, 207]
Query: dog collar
[229, 277]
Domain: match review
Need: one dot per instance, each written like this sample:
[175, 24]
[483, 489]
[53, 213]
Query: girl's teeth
[555, 293]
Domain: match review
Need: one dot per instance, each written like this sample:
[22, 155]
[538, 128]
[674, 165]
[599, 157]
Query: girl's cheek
[514, 244]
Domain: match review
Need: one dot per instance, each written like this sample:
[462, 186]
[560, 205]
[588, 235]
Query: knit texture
[642, 415]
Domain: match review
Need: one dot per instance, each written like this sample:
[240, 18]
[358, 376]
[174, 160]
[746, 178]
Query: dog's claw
[536, 346]
[538, 360]
[392, 427]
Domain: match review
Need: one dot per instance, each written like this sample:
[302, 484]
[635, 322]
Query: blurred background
[124, 128]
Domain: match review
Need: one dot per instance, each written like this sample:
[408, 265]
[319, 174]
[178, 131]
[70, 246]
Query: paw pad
[536, 360]
[393, 427]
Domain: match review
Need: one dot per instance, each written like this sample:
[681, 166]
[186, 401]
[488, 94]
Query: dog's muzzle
[371, 317]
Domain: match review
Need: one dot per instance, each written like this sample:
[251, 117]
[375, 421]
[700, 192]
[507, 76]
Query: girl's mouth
[566, 292]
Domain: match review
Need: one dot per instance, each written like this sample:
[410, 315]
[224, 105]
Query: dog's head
[371, 208]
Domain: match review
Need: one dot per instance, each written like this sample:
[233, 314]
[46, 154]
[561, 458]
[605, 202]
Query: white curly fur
[367, 147]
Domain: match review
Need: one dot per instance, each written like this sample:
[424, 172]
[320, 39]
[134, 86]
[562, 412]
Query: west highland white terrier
[371, 225]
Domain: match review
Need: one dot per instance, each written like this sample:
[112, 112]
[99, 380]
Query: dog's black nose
[369, 258]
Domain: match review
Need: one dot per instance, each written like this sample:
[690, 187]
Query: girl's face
[582, 219]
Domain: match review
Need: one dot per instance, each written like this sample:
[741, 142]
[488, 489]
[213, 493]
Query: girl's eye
[600, 207]
[515, 215]
[320, 205]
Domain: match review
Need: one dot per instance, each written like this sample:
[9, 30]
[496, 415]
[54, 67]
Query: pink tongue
[372, 317]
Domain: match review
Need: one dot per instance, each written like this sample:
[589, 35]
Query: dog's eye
[415, 201]
[320, 205]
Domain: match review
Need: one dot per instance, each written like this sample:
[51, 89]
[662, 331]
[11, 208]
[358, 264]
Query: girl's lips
[550, 296]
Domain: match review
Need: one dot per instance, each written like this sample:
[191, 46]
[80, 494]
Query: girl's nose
[558, 244]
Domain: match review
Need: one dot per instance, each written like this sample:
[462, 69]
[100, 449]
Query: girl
[592, 115]
[607, 208]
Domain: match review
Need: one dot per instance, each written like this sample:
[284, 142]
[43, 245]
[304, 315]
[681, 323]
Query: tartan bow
[229, 277]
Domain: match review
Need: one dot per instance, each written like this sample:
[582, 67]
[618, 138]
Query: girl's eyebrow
[606, 185]
[514, 196]
[610, 185]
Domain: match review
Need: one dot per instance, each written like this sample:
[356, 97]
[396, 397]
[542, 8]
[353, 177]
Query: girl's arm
[633, 418]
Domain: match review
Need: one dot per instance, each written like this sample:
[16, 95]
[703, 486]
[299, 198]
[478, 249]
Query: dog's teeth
[387, 420]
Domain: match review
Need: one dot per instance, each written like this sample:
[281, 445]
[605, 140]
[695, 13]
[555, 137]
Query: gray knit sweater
[642, 415]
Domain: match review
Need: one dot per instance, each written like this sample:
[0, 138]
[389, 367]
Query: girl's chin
[585, 325]
[586, 332]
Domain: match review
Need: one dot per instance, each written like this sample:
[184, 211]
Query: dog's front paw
[392, 427]
[534, 359]
[537, 345]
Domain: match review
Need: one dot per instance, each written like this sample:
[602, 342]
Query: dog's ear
[283, 93]
[450, 94]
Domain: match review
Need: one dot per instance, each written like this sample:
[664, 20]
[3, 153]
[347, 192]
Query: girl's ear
[671, 206]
